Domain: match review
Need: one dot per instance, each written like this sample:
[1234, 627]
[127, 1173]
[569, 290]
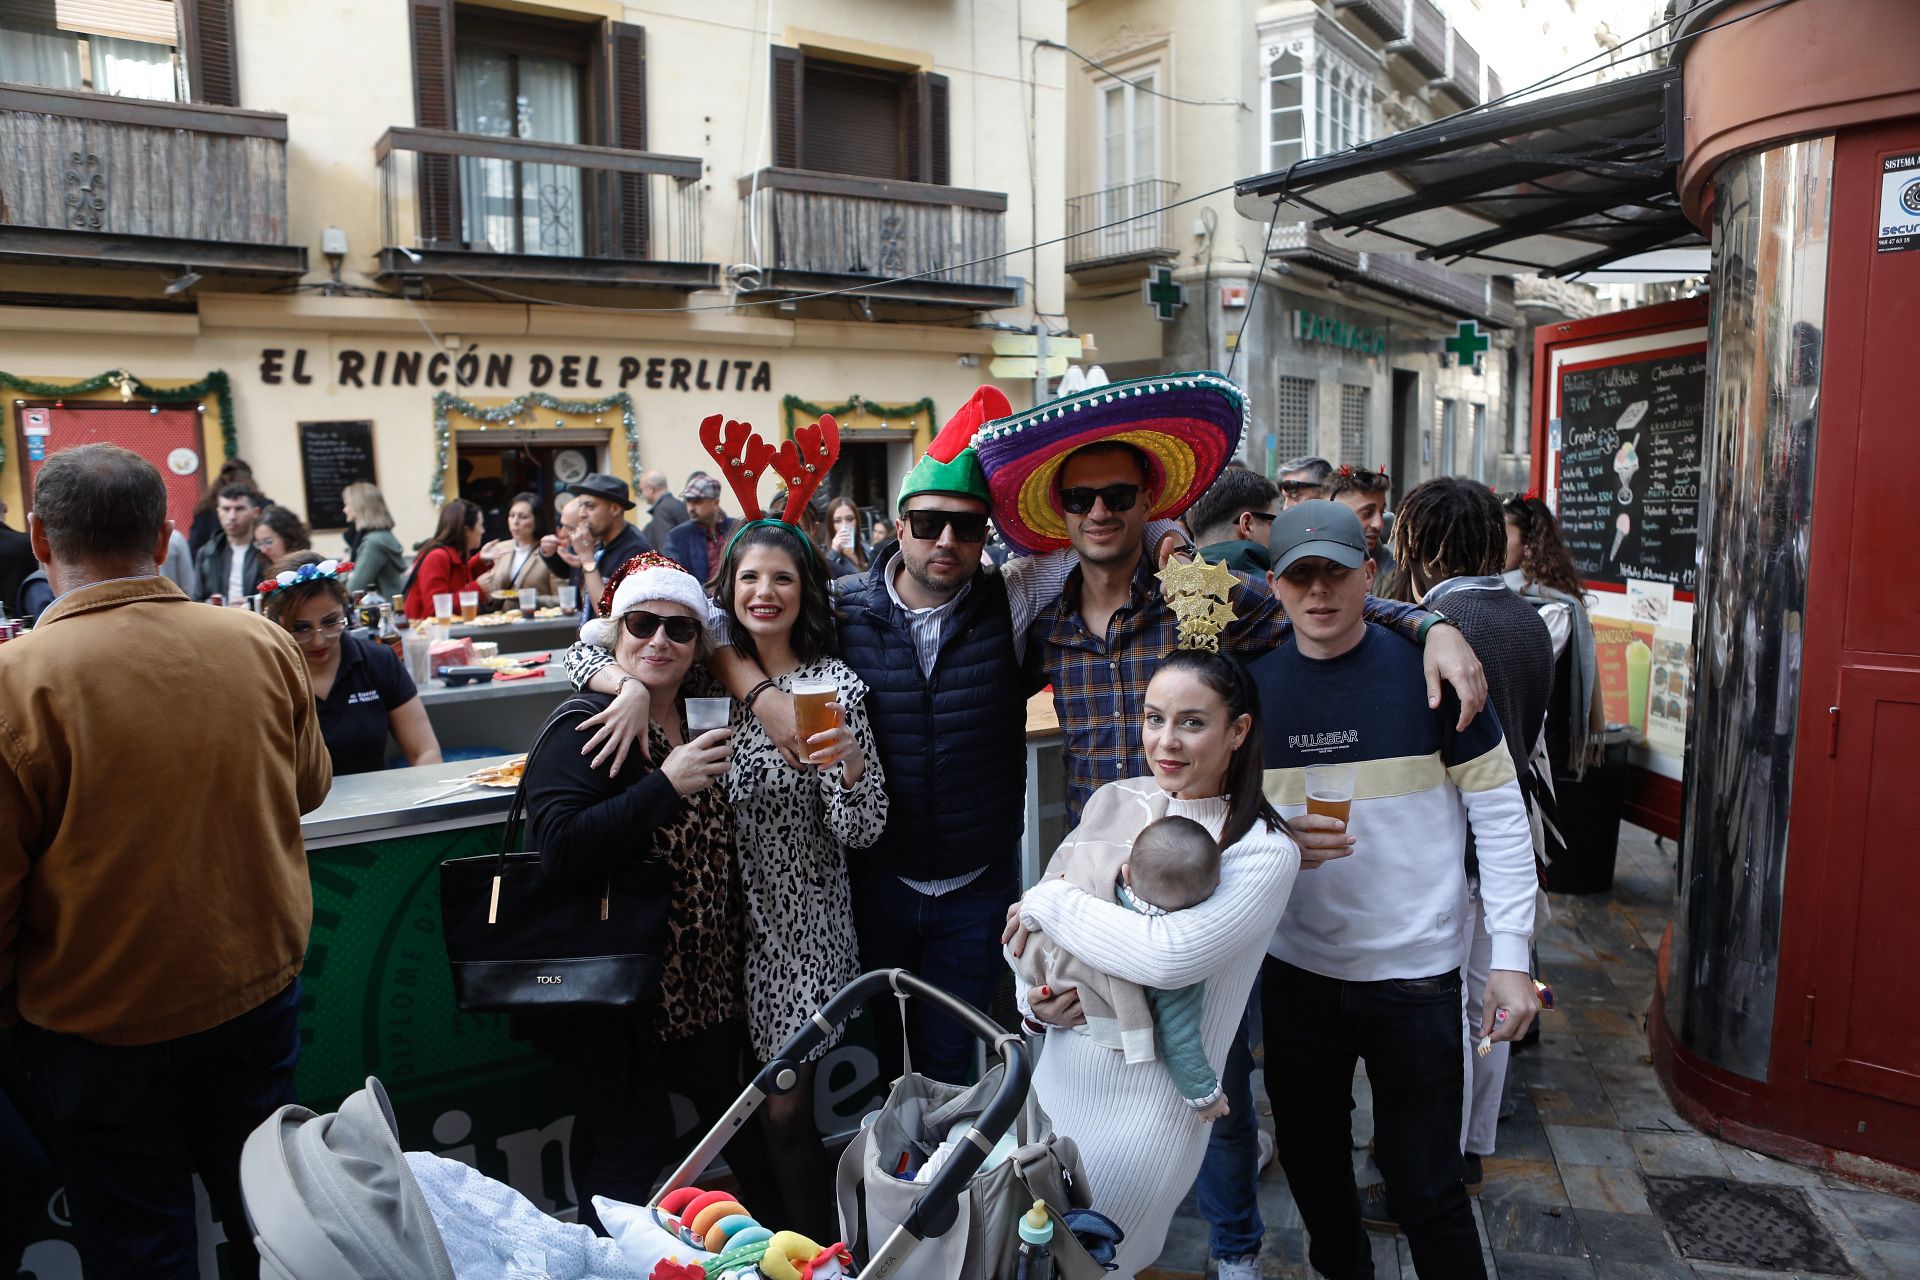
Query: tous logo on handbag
[547, 979]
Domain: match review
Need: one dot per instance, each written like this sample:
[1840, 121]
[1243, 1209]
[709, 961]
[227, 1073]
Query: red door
[171, 437]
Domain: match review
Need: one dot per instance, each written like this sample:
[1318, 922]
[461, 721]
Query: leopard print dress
[794, 826]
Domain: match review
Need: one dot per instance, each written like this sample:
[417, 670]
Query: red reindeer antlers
[743, 458]
[803, 462]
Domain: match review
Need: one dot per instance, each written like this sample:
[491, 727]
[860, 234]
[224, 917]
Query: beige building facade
[554, 217]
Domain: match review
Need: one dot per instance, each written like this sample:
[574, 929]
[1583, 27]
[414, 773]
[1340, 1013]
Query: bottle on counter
[1036, 1239]
[389, 634]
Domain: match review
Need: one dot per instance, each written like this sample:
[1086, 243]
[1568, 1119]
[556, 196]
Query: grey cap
[1329, 530]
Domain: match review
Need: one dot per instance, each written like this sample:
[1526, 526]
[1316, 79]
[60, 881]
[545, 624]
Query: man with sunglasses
[1303, 480]
[1229, 522]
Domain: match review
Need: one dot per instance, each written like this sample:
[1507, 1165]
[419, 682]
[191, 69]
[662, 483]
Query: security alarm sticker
[1899, 227]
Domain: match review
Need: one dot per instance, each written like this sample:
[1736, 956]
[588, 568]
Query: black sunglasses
[1293, 488]
[1118, 497]
[1268, 516]
[641, 625]
[968, 526]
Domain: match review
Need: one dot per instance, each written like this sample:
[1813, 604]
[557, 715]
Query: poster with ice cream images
[1669, 690]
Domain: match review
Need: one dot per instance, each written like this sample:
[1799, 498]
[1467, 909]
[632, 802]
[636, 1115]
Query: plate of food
[504, 776]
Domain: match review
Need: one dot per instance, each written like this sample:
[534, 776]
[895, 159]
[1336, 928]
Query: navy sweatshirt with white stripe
[1392, 908]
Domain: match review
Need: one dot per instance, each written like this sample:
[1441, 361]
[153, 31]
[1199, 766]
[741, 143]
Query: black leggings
[624, 1136]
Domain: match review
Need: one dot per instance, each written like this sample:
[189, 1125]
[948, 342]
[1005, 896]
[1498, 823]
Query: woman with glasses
[660, 826]
[363, 692]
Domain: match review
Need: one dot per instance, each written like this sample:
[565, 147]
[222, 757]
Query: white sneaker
[1238, 1268]
[1267, 1152]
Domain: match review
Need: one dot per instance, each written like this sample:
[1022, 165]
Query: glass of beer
[443, 605]
[529, 601]
[1330, 790]
[811, 696]
[469, 605]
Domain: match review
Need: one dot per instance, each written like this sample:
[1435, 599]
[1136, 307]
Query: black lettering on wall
[540, 370]
[351, 363]
[681, 368]
[406, 368]
[629, 370]
[763, 377]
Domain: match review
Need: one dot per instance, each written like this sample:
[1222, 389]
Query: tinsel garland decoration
[132, 388]
[446, 404]
[797, 410]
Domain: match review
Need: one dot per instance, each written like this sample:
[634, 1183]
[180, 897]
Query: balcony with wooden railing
[464, 207]
[1424, 45]
[1121, 227]
[808, 232]
[1385, 18]
[89, 180]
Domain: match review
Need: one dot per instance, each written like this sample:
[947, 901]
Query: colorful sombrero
[1187, 424]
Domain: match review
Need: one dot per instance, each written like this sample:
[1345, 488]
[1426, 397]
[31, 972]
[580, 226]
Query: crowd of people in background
[1439, 651]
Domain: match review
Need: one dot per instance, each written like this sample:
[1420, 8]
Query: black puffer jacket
[953, 747]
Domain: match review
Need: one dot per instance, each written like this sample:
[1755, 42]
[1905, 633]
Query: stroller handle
[934, 1212]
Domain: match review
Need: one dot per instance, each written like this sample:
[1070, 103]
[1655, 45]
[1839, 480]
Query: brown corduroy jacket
[155, 758]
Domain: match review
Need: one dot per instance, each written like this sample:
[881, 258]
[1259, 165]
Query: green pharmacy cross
[1468, 344]
[1162, 294]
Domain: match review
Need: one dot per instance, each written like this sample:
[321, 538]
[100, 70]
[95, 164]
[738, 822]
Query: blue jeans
[952, 941]
[1408, 1032]
[1228, 1187]
[131, 1124]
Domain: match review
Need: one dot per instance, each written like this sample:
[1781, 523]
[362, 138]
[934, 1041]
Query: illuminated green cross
[1467, 344]
[1163, 294]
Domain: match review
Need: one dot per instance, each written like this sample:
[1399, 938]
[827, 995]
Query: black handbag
[523, 941]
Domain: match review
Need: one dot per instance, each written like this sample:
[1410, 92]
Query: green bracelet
[1433, 619]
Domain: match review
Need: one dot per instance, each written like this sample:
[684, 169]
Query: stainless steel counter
[365, 805]
[524, 635]
[553, 683]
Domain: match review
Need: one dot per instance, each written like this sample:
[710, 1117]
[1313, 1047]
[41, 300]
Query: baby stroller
[334, 1196]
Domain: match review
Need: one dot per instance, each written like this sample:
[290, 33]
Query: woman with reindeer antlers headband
[794, 821]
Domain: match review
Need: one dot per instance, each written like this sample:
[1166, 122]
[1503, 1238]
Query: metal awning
[1557, 185]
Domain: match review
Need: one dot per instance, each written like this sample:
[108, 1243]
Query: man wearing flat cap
[602, 538]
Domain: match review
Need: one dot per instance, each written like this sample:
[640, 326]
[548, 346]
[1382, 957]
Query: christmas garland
[794, 405]
[446, 404]
[132, 388]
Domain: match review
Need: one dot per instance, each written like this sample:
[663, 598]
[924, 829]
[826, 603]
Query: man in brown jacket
[154, 902]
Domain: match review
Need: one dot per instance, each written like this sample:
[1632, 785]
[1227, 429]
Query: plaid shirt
[1100, 684]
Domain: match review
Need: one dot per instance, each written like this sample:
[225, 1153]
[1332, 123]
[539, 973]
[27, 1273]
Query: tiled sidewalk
[1566, 1195]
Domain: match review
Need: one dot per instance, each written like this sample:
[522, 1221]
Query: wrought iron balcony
[1121, 225]
[1385, 18]
[810, 232]
[468, 206]
[90, 180]
[1424, 45]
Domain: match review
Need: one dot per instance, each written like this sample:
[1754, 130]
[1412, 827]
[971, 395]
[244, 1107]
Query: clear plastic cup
[419, 662]
[1330, 790]
[707, 713]
[443, 605]
[569, 598]
[469, 605]
[811, 709]
[529, 601]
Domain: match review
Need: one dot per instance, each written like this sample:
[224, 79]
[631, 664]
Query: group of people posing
[1196, 898]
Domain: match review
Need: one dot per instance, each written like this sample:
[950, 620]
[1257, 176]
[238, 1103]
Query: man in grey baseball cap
[1317, 527]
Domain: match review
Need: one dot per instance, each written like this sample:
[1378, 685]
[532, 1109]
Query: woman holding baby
[1141, 1125]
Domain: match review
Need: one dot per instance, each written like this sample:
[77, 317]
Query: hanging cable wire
[1141, 86]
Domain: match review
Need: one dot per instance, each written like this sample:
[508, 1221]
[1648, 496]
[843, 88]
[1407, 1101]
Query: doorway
[1408, 424]
[491, 474]
[869, 470]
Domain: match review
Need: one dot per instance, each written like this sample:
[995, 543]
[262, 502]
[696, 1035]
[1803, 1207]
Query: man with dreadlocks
[1450, 540]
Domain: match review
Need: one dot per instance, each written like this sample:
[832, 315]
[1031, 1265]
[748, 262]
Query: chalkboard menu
[1629, 478]
[332, 456]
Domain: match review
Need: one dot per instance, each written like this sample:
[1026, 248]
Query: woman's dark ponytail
[1246, 770]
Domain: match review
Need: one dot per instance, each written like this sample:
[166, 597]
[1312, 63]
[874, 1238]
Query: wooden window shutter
[624, 55]
[433, 80]
[926, 140]
[789, 78]
[213, 74]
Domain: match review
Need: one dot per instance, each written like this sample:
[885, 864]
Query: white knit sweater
[1139, 1140]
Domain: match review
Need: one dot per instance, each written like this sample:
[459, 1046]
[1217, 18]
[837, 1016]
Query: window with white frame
[1318, 103]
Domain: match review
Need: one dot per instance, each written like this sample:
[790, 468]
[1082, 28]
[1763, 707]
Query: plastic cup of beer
[443, 605]
[529, 601]
[1330, 790]
[811, 711]
[707, 713]
[469, 605]
[569, 598]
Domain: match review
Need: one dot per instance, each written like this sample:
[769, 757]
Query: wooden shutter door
[624, 57]
[788, 80]
[213, 75]
[927, 150]
[433, 79]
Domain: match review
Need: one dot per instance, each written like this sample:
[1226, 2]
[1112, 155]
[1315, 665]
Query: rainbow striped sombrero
[1187, 424]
